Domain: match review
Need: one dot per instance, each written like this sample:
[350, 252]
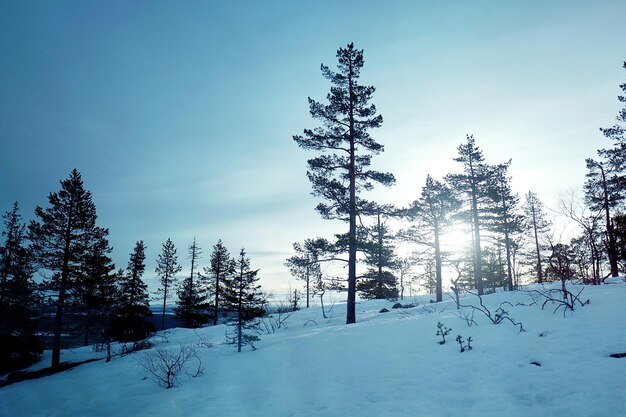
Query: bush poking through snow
[561, 298]
[499, 316]
[166, 365]
[462, 345]
[442, 331]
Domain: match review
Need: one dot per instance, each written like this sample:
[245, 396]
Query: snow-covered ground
[387, 364]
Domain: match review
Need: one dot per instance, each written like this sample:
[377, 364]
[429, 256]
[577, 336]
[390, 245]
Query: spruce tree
[192, 301]
[60, 240]
[379, 282]
[243, 298]
[166, 269]
[222, 267]
[341, 172]
[18, 344]
[474, 183]
[433, 213]
[96, 289]
[133, 309]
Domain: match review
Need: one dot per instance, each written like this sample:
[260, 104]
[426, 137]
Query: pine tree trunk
[539, 267]
[438, 274]
[477, 255]
[612, 245]
[58, 319]
[351, 301]
[308, 278]
[217, 294]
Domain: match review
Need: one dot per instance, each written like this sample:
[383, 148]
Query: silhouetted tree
[474, 183]
[243, 297]
[379, 282]
[341, 172]
[192, 293]
[506, 221]
[222, 267]
[18, 344]
[133, 309]
[166, 269]
[60, 240]
[603, 192]
[95, 290]
[433, 213]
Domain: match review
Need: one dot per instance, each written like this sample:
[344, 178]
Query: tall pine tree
[60, 240]
[473, 182]
[341, 172]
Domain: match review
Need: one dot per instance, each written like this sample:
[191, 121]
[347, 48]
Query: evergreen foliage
[474, 183]
[130, 324]
[536, 223]
[341, 172]
[166, 270]
[616, 156]
[244, 299]
[221, 269]
[604, 191]
[305, 265]
[61, 239]
[96, 289]
[505, 219]
[432, 213]
[379, 282]
[19, 346]
[192, 294]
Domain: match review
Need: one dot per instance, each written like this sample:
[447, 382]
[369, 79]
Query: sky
[180, 115]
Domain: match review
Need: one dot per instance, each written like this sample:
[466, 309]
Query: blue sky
[180, 115]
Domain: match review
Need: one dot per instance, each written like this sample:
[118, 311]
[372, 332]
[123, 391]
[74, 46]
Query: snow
[387, 364]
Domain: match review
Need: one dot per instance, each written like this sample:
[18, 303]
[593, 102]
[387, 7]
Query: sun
[456, 238]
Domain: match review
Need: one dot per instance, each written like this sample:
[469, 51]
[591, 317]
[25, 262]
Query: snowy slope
[388, 364]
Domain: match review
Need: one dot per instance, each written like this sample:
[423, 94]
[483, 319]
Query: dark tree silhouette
[18, 344]
[341, 172]
[60, 240]
[222, 267]
[192, 293]
[166, 270]
[243, 297]
[474, 183]
[603, 192]
[133, 308]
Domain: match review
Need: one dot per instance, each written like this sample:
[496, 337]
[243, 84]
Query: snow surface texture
[388, 364]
